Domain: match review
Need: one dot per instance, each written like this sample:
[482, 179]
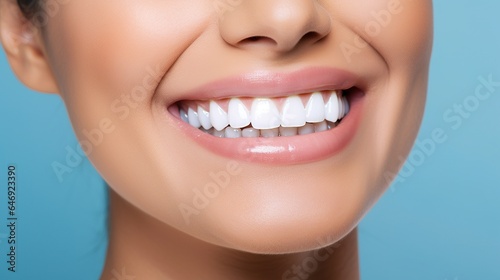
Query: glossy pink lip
[270, 84]
[280, 150]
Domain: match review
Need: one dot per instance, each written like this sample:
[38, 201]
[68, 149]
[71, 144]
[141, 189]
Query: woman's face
[129, 71]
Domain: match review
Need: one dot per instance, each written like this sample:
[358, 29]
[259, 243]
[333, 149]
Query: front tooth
[269, 133]
[193, 118]
[184, 116]
[250, 132]
[231, 132]
[293, 113]
[218, 117]
[264, 114]
[238, 114]
[332, 108]
[306, 129]
[315, 108]
[288, 131]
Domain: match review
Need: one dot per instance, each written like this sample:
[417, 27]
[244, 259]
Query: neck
[141, 247]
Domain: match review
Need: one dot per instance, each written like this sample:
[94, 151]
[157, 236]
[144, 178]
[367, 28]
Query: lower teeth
[250, 132]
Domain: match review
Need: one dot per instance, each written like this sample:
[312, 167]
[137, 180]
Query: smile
[260, 117]
[292, 118]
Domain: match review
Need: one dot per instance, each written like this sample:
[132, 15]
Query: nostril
[274, 26]
[312, 36]
[254, 38]
[257, 40]
[309, 37]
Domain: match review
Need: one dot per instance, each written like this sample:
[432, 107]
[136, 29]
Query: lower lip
[283, 150]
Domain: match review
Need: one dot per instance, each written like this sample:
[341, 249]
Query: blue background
[442, 222]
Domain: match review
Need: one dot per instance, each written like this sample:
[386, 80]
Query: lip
[279, 150]
[272, 84]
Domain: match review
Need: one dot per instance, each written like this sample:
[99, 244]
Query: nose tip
[276, 25]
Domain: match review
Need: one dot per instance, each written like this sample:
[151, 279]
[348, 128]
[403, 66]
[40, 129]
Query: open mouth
[273, 118]
[247, 117]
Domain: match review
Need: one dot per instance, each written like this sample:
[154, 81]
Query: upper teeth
[265, 115]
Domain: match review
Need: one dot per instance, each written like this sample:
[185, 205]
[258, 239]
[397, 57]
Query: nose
[274, 25]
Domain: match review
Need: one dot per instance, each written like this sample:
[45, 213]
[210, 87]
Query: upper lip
[274, 84]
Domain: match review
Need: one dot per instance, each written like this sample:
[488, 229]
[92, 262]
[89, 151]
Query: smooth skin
[270, 220]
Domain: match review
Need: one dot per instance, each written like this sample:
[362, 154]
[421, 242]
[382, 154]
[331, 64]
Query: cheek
[104, 48]
[108, 57]
[399, 30]
[406, 39]
[400, 33]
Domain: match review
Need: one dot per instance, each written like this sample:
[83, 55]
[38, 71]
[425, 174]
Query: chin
[266, 209]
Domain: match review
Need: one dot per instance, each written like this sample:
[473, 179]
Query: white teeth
[264, 118]
[322, 126]
[232, 132]
[306, 129]
[204, 118]
[346, 106]
[288, 131]
[264, 114]
[315, 108]
[184, 116]
[218, 117]
[341, 107]
[193, 118]
[332, 108]
[293, 112]
[218, 133]
[330, 125]
[269, 133]
[250, 132]
[238, 114]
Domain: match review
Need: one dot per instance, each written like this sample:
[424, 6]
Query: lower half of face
[263, 126]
